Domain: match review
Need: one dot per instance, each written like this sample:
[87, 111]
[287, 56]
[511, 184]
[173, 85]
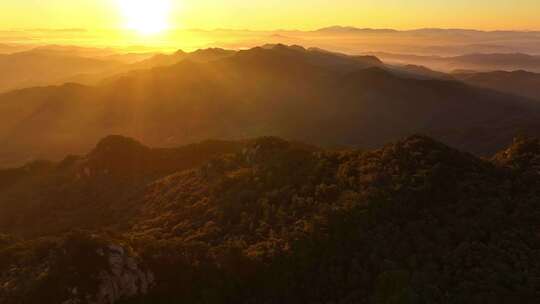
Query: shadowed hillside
[520, 83]
[307, 95]
[93, 191]
[280, 222]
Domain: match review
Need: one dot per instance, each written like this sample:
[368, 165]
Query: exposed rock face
[124, 279]
[78, 268]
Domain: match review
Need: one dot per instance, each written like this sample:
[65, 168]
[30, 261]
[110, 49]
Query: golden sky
[270, 14]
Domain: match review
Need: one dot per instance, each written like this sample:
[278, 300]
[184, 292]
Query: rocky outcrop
[124, 278]
[77, 268]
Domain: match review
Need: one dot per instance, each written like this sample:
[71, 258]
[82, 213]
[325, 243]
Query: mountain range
[449, 31]
[474, 62]
[301, 94]
[346, 39]
[44, 67]
[272, 174]
[521, 83]
[271, 221]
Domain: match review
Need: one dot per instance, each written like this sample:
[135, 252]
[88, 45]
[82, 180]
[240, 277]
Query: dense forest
[273, 221]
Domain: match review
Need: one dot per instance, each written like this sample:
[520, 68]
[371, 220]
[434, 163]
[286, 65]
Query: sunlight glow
[146, 16]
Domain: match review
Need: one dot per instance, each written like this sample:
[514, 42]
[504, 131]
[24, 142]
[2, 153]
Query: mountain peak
[118, 149]
[207, 50]
[283, 47]
[209, 54]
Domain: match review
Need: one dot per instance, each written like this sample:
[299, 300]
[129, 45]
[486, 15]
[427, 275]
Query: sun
[145, 16]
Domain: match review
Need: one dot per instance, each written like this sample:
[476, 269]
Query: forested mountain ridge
[270, 221]
[43, 198]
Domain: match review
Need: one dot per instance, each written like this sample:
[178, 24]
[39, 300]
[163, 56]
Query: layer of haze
[276, 14]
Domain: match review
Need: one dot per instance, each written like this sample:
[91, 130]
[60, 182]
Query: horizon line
[344, 27]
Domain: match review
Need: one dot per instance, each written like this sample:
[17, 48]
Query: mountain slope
[45, 67]
[94, 190]
[477, 62]
[155, 61]
[291, 92]
[520, 83]
[352, 227]
[202, 55]
[499, 61]
[277, 222]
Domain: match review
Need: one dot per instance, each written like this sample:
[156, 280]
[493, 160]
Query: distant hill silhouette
[300, 94]
[521, 83]
[202, 55]
[503, 61]
[155, 61]
[423, 72]
[43, 66]
[12, 48]
[28, 66]
[476, 62]
[447, 42]
[450, 31]
[350, 29]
